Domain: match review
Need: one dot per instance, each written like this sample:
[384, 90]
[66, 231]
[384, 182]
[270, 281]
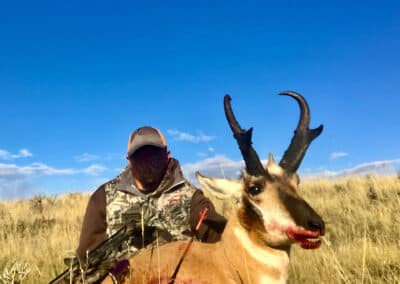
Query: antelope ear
[273, 168]
[221, 188]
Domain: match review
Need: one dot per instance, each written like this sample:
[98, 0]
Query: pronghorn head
[271, 209]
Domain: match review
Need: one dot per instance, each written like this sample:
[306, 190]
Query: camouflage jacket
[169, 213]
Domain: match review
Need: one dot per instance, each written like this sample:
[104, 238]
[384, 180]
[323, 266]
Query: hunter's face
[149, 165]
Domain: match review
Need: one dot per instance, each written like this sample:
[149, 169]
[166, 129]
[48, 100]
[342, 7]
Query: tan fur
[221, 188]
[222, 262]
[254, 246]
[275, 170]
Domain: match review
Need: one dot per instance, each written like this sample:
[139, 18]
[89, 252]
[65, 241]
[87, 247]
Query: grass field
[362, 243]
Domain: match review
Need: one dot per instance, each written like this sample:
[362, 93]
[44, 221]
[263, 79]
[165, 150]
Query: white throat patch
[278, 261]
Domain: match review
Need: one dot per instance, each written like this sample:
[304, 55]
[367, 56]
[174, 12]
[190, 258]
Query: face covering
[149, 165]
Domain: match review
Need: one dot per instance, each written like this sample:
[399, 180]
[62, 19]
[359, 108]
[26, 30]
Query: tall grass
[39, 233]
[362, 243]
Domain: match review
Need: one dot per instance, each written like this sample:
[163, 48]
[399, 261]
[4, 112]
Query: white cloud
[35, 169]
[18, 181]
[221, 166]
[12, 171]
[205, 154]
[94, 170]
[337, 155]
[183, 136]
[384, 167]
[23, 153]
[115, 156]
[17, 189]
[217, 166]
[21, 181]
[213, 166]
[86, 157]
[201, 154]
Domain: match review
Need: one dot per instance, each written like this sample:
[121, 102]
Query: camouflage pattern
[136, 220]
[168, 212]
[161, 216]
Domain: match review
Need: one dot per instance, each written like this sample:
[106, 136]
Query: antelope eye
[254, 190]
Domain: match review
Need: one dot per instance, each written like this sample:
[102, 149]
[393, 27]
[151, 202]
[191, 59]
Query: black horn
[243, 137]
[302, 138]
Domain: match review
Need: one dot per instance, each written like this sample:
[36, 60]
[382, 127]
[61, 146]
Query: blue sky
[76, 78]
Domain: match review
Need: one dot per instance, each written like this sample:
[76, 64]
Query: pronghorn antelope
[270, 217]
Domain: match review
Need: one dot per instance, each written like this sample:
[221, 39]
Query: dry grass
[40, 232]
[362, 244]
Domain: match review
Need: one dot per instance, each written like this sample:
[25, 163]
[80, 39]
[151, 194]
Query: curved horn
[302, 138]
[243, 137]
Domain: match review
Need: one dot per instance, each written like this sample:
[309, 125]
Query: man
[152, 195]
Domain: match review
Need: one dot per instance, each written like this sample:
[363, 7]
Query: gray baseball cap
[145, 136]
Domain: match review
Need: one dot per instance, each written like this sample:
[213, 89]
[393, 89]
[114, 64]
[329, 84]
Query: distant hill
[386, 167]
[220, 166]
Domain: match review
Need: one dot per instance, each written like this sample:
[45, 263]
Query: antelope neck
[254, 263]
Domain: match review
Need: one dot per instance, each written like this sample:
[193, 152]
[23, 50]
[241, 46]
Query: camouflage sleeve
[94, 225]
[213, 225]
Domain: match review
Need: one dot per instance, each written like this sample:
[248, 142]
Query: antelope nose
[317, 225]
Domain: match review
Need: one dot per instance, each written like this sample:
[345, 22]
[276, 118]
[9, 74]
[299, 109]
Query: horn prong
[243, 138]
[302, 138]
